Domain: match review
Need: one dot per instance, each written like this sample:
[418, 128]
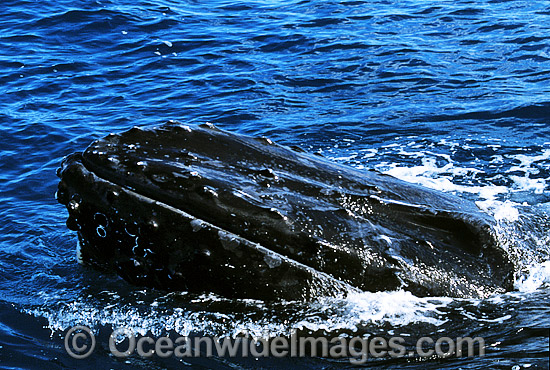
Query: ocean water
[454, 95]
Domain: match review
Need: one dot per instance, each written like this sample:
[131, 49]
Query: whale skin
[199, 209]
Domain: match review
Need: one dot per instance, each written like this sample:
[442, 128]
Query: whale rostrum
[200, 209]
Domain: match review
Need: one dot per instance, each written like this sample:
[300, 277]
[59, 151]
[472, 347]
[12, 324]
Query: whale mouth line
[197, 224]
[166, 206]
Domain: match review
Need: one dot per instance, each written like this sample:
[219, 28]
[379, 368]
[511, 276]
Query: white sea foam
[494, 184]
[397, 308]
[506, 211]
[537, 276]
[524, 183]
[527, 161]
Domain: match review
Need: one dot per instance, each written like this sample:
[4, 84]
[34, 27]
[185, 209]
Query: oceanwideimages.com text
[80, 343]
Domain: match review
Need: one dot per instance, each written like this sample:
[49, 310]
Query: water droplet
[228, 241]
[272, 260]
[265, 140]
[114, 160]
[159, 178]
[79, 252]
[73, 205]
[197, 224]
[209, 191]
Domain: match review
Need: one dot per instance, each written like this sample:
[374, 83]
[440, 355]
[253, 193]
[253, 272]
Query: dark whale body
[205, 210]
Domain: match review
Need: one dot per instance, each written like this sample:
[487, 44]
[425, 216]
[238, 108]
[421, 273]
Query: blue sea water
[451, 95]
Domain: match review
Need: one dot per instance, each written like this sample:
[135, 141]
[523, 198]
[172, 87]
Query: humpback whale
[200, 209]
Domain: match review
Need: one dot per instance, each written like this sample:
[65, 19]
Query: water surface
[451, 95]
